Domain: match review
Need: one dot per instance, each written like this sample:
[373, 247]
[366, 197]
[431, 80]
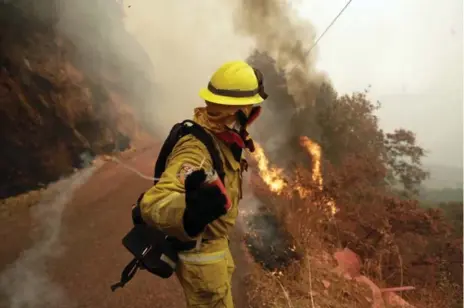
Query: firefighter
[181, 207]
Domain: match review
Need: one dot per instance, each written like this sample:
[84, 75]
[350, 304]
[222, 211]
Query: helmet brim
[207, 95]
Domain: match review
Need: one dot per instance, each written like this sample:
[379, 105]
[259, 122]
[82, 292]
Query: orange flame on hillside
[271, 176]
[314, 150]
[274, 178]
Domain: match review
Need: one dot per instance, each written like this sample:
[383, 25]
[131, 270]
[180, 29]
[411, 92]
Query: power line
[328, 27]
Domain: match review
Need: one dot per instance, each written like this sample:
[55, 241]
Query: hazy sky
[411, 52]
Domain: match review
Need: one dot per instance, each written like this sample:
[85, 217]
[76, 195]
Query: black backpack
[151, 248]
[180, 130]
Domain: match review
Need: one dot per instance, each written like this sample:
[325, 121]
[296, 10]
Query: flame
[271, 176]
[302, 192]
[332, 206]
[314, 150]
[274, 179]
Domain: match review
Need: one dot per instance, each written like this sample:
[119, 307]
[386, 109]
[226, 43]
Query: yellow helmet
[235, 83]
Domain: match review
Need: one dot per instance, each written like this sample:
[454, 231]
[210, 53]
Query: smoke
[163, 52]
[186, 42]
[279, 32]
[287, 56]
[157, 54]
[160, 53]
[283, 40]
[26, 282]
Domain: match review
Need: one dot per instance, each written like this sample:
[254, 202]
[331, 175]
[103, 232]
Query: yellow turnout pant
[206, 278]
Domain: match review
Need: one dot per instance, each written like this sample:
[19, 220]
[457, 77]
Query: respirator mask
[236, 134]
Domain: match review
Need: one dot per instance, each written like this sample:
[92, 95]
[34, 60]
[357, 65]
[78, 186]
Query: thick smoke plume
[288, 41]
[278, 31]
[26, 282]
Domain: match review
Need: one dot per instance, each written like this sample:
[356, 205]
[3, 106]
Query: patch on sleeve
[184, 171]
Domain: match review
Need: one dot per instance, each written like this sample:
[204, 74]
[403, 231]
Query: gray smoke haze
[162, 52]
[26, 282]
[186, 42]
[283, 35]
[278, 30]
[158, 54]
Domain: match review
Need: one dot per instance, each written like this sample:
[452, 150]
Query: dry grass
[311, 281]
[19, 202]
[307, 283]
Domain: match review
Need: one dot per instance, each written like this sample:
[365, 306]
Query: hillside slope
[51, 111]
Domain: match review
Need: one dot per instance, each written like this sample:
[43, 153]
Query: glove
[204, 204]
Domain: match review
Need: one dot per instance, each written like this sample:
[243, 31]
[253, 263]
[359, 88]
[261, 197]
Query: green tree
[404, 160]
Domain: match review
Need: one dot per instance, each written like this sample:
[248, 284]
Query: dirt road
[93, 226]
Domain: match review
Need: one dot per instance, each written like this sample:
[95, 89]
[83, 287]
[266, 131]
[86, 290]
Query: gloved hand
[204, 203]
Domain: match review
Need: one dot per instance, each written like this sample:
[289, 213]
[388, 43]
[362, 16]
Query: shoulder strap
[182, 129]
[174, 135]
[201, 134]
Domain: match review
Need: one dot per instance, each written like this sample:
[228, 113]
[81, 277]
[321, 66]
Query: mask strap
[254, 114]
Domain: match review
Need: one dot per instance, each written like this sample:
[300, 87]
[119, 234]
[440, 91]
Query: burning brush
[267, 242]
[276, 182]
